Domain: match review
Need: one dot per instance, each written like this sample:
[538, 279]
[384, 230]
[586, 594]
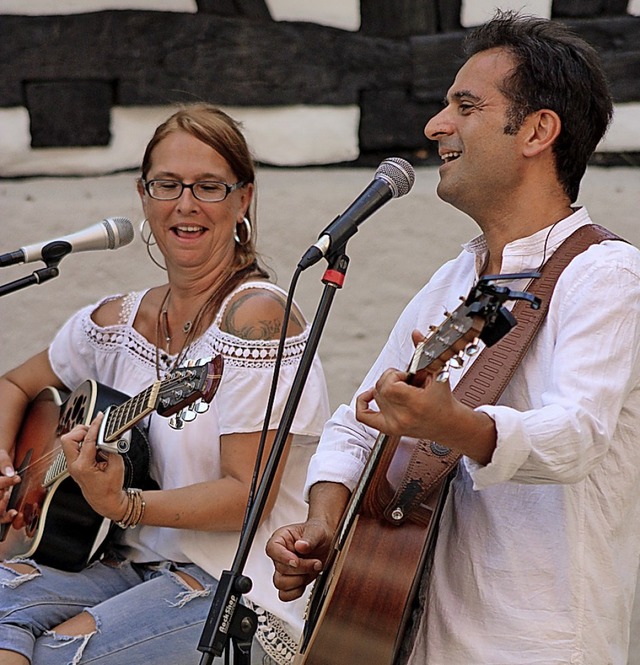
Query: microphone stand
[227, 618]
[52, 254]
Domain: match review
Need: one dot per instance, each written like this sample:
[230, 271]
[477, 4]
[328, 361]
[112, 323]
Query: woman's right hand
[8, 478]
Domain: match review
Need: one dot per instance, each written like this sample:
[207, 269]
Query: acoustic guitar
[55, 525]
[361, 603]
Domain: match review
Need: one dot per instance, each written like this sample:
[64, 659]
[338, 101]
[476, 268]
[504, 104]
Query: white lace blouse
[118, 356]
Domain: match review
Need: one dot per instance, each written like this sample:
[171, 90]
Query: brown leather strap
[489, 375]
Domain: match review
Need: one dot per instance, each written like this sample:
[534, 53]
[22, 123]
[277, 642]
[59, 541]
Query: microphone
[393, 178]
[110, 233]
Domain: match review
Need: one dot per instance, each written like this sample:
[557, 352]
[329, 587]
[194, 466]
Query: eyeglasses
[208, 191]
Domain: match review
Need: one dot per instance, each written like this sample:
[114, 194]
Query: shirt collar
[529, 253]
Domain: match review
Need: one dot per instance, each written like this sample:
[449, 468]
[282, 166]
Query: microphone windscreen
[120, 231]
[398, 173]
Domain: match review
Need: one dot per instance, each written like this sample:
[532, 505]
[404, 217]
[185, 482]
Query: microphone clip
[55, 251]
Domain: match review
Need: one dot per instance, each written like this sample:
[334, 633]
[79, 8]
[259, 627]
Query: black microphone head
[119, 231]
[398, 173]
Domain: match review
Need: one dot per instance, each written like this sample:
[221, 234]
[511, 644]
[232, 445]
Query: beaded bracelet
[135, 509]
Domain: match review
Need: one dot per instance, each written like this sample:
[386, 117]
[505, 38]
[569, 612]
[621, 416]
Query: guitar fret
[124, 416]
[56, 470]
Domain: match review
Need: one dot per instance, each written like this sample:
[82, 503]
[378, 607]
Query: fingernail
[8, 471]
[293, 563]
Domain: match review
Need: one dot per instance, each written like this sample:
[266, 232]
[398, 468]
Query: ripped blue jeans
[143, 614]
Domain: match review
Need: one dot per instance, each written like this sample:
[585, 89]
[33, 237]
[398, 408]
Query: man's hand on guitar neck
[299, 551]
[424, 408]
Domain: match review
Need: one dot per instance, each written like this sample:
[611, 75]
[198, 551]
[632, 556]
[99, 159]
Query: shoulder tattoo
[241, 321]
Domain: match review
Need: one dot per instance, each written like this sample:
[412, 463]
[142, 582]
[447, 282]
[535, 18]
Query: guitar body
[55, 525]
[362, 603]
[368, 604]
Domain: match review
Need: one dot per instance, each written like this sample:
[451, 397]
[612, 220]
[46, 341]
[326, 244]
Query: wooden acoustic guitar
[55, 525]
[360, 605]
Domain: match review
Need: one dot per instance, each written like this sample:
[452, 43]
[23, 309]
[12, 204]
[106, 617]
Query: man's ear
[542, 128]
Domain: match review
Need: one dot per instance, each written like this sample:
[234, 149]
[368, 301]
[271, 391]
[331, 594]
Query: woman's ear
[141, 194]
[542, 128]
[247, 197]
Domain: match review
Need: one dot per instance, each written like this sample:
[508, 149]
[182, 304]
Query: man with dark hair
[537, 553]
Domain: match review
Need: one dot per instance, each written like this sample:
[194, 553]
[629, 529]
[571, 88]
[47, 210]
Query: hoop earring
[147, 240]
[148, 243]
[247, 232]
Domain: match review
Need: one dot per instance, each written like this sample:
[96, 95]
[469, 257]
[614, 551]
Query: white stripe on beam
[624, 133]
[475, 12]
[284, 136]
[343, 14]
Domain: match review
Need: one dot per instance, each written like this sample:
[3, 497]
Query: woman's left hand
[100, 475]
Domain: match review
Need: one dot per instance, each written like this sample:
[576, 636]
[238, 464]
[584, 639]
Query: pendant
[186, 327]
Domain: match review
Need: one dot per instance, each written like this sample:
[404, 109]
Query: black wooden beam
[588, 8]
[254, 9]
[69, 113]
[436, 60]
[161, 58]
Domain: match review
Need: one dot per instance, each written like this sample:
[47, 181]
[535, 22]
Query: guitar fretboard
[119, 419]
[126, 415]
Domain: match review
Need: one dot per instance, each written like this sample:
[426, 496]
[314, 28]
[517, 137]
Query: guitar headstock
[480, 317]
[190, 388]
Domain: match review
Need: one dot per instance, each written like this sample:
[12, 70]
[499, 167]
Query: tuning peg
[457, 361]
[443, 375]
[176, 422]
[188, 414]
[472, 348]
[201, 406]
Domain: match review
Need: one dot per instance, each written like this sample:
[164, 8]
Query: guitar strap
[488, 376]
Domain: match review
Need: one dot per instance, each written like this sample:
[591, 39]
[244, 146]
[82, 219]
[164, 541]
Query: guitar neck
[119, 419]
[123, 417]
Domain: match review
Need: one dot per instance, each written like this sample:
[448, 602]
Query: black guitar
[55, 525]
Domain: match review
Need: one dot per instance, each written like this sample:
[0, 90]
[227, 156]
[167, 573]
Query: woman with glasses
[147, 598]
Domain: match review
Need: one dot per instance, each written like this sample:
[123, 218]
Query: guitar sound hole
[74, 414]
[79, 408]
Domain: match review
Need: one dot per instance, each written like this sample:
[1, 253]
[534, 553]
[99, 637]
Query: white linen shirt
[537, 554]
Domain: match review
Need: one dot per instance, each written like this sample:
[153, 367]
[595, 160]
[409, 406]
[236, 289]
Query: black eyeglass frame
[228, 188]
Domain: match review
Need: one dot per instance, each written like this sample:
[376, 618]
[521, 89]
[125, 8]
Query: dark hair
[221, 132]
[556, 70]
